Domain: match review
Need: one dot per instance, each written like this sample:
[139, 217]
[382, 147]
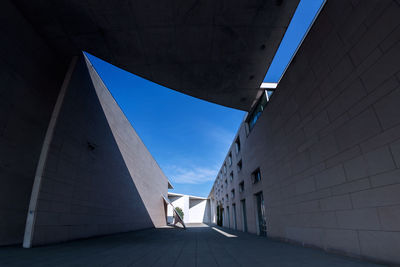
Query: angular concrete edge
[151, 189]
[95, 176]
[31, 216]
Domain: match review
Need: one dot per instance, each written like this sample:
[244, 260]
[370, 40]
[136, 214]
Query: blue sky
[303, 17]
[189, 137]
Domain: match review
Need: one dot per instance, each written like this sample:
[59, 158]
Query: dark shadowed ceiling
[216, 50]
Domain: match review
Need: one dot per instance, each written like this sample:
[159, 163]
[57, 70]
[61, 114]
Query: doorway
[261, 220]
[220, 211]
[228, 218]
[234, 216]
[244, 216]
[223, 216]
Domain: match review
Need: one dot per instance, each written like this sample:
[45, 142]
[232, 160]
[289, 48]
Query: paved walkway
[196, 246]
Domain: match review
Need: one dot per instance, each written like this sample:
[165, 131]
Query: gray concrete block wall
[328, 143]
[30, 76]
[145, 172]
[89, 188]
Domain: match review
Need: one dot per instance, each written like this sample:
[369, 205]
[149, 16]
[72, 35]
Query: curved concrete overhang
[218, 51]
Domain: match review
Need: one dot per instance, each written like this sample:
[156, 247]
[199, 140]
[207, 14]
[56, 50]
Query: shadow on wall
[87, 189]
[194, 202]
[207, 212]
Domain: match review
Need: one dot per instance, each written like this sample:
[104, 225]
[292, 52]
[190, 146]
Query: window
[257, 111]
[239, 166]
[226, 182]
[224, 168]
[234, 216]
[230, 159]
[228, 217]
[231, 176]
[262, 222]
[269, 93]
[233, 193]
[244, 217]
[237, 145]
[256, 176]
[226, 197]
[241, 187]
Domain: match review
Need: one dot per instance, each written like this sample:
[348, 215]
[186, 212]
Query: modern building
[316, 161]
[195, 209]
[94, 175]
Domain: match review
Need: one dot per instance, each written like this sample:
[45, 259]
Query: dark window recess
[227, 198]
[241, 187]
[256, 176]
[269, 93]
[230, 159]
[231, 176]
[237, 145]
[262, 222]
[233, 193]
[244, 217]
[239, 166]
[257, 111]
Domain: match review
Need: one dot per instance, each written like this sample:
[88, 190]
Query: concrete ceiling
[216, 50]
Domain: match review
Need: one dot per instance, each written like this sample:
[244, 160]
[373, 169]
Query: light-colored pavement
[199, 245]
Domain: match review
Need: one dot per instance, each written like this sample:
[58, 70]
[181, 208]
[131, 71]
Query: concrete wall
[145, 172]
[198, 210]
[30, 78]
[195, 210]
[328, 142]
[88, 188]
[181, 202]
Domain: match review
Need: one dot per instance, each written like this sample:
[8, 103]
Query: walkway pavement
[199, 245]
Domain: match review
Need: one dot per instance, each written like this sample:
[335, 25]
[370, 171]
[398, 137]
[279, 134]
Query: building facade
[40, 40]
[319, 163]
[315, 162]
[94, 176]
[195, 209]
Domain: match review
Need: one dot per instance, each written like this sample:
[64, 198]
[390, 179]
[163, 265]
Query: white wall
[181, 202]
[195, 210]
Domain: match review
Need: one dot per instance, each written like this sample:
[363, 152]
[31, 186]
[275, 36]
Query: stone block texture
[328, 142]
[31, 75]
[145, 172]
[99, 177]
[32, 71]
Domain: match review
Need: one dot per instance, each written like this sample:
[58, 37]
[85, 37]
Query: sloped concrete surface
[90, 187]
[144, 171]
